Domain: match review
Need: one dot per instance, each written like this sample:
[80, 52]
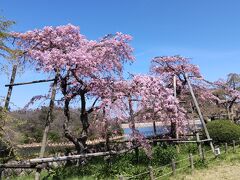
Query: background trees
[5, 50]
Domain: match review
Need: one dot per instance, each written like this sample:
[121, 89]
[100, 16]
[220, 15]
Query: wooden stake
[199, 145]
[191, 161]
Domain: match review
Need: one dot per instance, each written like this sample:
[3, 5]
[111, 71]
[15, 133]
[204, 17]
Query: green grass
[126, 165]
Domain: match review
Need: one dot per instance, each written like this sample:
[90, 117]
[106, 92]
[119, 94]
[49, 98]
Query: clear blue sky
[208, 31]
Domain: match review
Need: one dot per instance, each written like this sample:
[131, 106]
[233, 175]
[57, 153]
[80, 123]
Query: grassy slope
[227, 166]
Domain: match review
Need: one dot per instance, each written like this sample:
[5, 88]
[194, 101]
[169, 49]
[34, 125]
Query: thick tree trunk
[78, 144]
[84, 118]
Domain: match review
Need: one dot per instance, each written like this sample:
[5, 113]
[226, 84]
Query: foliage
[7, 135]
[4, 36]
[168, 67]
[223, 131]
[163, 155]
[101, 168]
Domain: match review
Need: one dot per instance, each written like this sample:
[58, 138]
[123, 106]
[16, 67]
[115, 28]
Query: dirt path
[229, 172]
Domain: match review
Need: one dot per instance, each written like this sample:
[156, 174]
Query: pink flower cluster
[64, 48]
[174, 65]
[150, 99]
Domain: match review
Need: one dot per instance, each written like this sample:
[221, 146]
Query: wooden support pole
[151, 175]
[175, 86]
[10, 88]
[173, 167]
[49, 119]
[199, 145]
[26, 83]
[199, 111]
[191, 161]
[175, 96]
[132, 122]
[155, 133]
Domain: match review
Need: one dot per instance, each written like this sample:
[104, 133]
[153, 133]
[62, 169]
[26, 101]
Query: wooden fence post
[234, 146]
[151, 173]
[191, 161]
[226, 148]
[173, 167]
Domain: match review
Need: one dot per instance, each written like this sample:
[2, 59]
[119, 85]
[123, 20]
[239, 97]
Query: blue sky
[206, 31]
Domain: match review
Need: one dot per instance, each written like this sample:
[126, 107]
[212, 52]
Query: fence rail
[152, 173]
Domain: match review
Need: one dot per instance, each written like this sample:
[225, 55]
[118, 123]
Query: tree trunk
[78, 144]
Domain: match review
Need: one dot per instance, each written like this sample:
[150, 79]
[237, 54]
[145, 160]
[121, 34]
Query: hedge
[222, 131]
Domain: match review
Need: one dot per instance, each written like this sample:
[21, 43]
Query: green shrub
[163, 155]
[189, 148]
[223, 131]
